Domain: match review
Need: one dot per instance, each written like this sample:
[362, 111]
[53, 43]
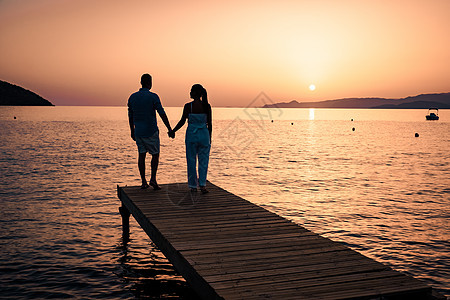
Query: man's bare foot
[155, 185]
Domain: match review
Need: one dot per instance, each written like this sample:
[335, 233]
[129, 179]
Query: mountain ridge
[11, 94]
[439, 100]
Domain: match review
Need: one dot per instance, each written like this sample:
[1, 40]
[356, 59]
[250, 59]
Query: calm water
[377, 189]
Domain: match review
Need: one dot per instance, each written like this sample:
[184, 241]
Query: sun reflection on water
[311, 113]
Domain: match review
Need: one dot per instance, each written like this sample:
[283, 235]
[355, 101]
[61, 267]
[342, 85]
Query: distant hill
[11, 94]
[441, 101]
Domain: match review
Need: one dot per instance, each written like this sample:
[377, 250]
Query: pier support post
[125, 223]
[125, 213]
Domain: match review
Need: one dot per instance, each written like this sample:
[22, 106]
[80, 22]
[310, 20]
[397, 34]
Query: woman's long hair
[198, 89]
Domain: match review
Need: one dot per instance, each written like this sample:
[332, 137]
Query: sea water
[360, 177]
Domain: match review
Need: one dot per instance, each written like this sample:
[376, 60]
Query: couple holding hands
[142, 108]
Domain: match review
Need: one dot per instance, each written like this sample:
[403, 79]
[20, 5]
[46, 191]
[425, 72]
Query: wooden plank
[225, 246]
[372, 288]
[186, 245]
[226, 210]
[213, 221]
[280, 262]
[221, 234]
[201, 223]
[308, 271]
[243, 229]
[262, 256]
[304, 280]
[235, 216]
[259, 249]
[303, 242]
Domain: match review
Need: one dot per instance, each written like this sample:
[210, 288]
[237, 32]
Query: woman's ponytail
[205, 100]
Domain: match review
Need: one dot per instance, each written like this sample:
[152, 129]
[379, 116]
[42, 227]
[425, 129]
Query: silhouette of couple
[142, 108]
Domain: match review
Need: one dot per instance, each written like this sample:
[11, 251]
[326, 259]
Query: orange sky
[88, 52]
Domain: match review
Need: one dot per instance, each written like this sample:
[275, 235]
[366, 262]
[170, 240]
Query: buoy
[14, 117]
[353, 128]
[292, 123]
[272, 121]
[352, 120]
[416, 135]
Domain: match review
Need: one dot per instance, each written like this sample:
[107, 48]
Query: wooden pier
[228, 248]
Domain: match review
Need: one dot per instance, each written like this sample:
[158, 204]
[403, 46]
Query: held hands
[171, 134]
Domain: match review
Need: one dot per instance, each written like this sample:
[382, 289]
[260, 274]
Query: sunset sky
[89, 52]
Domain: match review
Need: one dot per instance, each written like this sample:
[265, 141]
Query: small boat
[432, 114]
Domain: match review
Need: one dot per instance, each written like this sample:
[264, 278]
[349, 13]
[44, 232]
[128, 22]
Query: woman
[198, 137]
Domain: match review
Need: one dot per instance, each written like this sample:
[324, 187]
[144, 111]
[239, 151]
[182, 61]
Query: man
[142, 107]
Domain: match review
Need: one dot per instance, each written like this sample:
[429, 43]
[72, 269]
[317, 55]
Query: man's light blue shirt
[142, 107]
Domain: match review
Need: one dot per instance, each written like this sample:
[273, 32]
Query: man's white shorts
[148, 144]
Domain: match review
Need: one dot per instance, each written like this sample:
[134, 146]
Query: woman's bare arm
[183, 118]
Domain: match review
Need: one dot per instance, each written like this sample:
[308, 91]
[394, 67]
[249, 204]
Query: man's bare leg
[141, 166]
[154, 165]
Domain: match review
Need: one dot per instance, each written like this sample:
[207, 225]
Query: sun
[312, 87]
